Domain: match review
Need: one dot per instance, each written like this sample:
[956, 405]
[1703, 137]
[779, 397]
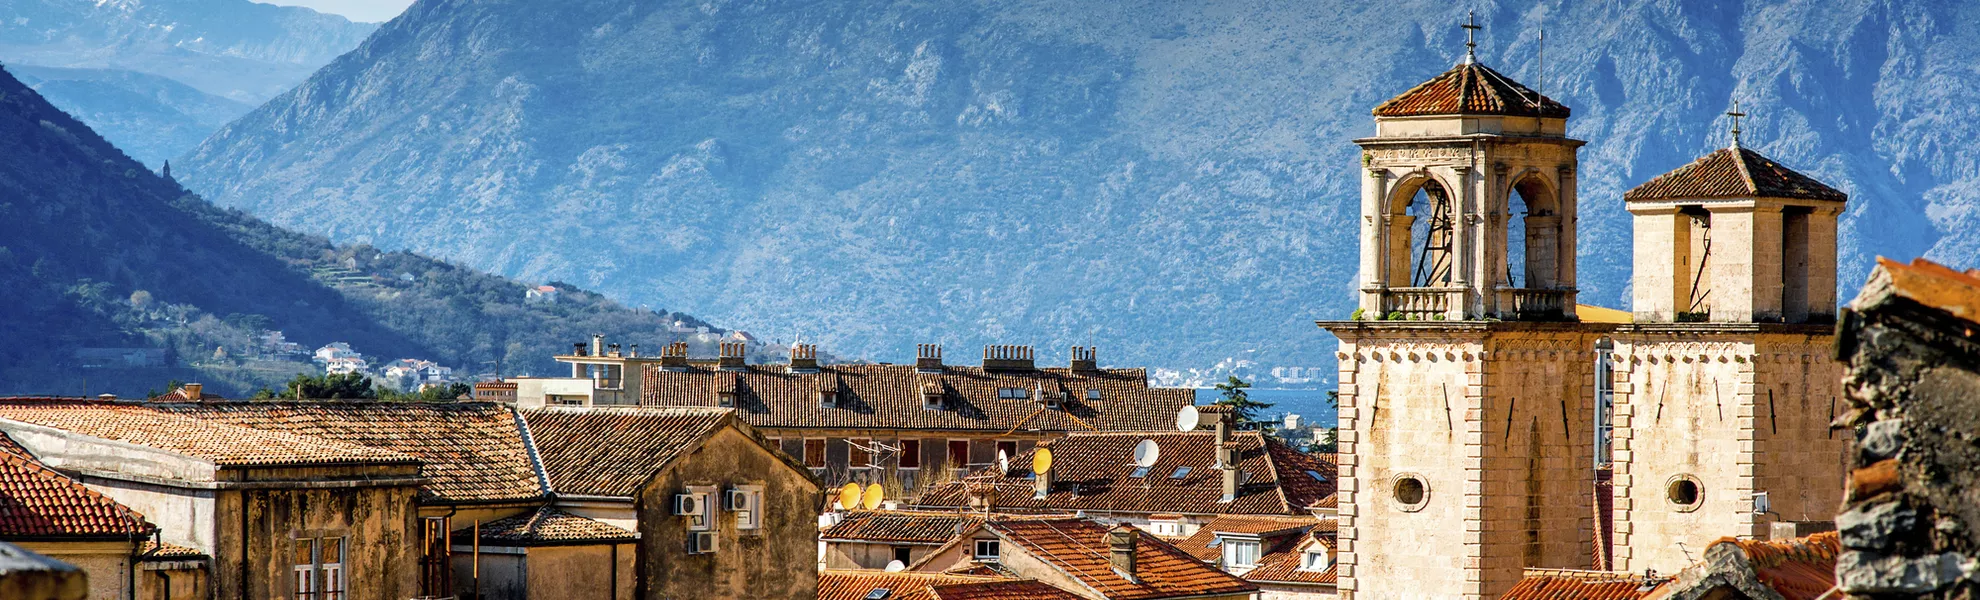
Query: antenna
[1003, 462]
[1540, 83]
[871, 498]
[1146, 453]
[849, 496]
[1041, 461]
[1470, 26]
[1188, 418]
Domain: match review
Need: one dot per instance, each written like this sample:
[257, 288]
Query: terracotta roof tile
[1282, 561]
[152, 551]
[1199, 544]
[612, 451]
[1926, 283]
[1564, 584]
[471, 451]
[1471, 89]
[855, 585]
[891, 397]
[1797, 569]
[1079, 549]
[546, 526]
[911, 527]
[1003, 590]
[1733, 173]
[220, 443]
[1092, 472]
[38, 502]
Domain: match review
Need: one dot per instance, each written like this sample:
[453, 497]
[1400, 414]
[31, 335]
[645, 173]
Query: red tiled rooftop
[1797, 569]
[547, 526]
[904, 526]
[1928, 284]
[1733, 173]
[1199, 543]
[160, 551]
[613, 451]
[1282, 561]
[1079, 549]
[834, 584]
[1471, 89]
[1003, 590]
[1564, 584]
[220, 443]
[37, 502]
[1093, 472]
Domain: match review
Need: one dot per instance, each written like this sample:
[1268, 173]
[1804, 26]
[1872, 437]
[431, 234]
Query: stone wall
[1911, 528]
[108, 564]
[777, 562]
[259, 528]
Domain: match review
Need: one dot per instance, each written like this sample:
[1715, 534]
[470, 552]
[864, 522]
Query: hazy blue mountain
[151, 118]
[96, 252]
[1173, 181]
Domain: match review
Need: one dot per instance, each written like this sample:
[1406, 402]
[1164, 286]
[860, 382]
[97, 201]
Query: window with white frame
[1314, 559]
[1240, 553]
[319, 568]
[746, 501]
[1166, 528]
[988, 550]
[1013, 394]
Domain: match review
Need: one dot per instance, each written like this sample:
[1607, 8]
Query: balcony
[1534, 305]
[1420, 303]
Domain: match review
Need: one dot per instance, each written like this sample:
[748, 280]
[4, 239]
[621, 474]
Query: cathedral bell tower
[1468, 202]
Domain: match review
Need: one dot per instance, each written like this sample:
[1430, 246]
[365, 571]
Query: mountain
[1173, 181]
[98, 255]
[152, 118]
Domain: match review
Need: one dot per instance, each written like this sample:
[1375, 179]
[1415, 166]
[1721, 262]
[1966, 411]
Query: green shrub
[1356, 315]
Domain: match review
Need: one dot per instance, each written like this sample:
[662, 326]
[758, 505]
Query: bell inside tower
[1431, 233]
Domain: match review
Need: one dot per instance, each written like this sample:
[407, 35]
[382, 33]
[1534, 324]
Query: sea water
[1310, 405]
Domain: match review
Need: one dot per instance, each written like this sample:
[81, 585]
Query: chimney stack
[612, 350]
[1120, 546]
[674, 357]
[193, 391]
[1007, 358]
[731, 358]
[804, 358]
[597, 344]
[635, 351]
[577, 349]
[928, 358]
[1083, 359]
[1041, 484]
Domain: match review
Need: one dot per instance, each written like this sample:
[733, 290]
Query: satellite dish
[1146, 453]
[1188, 418]
[895, 566]
[1003, 463]
[849, 496]
[871, 499]
[1041, 461]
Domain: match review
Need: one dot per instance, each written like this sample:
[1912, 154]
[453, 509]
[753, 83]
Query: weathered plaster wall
[108, 564]
[502, 575]
[380, 525]
[579, 572]
[184, 515]
[776, 562]
[189, 583]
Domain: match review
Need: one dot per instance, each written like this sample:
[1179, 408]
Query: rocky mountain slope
[1171, 180]
[152, 118]
[97, 252]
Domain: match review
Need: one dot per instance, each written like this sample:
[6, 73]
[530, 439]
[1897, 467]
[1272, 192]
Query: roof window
[1013, 393]
[1093, 394]
[1179, 473]
[828, 398]
[1139, 472]
[1316, 475]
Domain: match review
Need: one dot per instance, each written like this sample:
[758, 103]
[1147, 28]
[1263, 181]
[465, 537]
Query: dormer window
[828, 398]
[725, 398]
[1314, 559]
[1013, 394]
[1240, 554]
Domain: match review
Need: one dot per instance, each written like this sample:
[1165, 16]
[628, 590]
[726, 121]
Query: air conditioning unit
[701, 542]
[738, 500]
[688, 505]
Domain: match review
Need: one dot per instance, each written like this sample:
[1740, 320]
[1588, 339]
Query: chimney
[612, 350]
[804, 358]
[192, 391]
[1083, 359]
[1230, 480]
[597, 344]
[1120, 546]
[577, 349]
[1007, 358]
[731, 358]
[1041, 484]
[635, 351]
[928, 358]
[982, 495]
[674, 357]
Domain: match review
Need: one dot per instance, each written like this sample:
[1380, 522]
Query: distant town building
[543, 294]
[334, 351]
[495, 391]
[345, 365]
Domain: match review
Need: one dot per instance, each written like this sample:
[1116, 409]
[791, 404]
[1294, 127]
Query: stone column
[1730, 266]
[1767, 279]
[1564, 256]
[1660, 286]
[1465, 198]
[1822, 263]
[1374, 239]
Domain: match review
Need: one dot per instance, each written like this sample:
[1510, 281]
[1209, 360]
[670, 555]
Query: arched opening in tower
[1432, 231]
[1533, 235]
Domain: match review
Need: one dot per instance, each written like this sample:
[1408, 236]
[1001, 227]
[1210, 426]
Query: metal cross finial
[1735, 114]
[1470, 44]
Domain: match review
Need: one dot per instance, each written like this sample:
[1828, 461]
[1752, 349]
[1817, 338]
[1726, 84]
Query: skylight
[1179, 473]
[1139, 472]
[1316, 475]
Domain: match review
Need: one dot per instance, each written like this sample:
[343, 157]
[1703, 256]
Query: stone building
[52, 514]
[1911, 524]
[1288, 558]
[1087, 559]
[1094, 474]
[29, 576]
[905, 426]
[1474, 396]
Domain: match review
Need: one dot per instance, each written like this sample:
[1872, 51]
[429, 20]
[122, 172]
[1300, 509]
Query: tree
[347, 386]
[1329, 442]
[438, 393]
[1244, 410]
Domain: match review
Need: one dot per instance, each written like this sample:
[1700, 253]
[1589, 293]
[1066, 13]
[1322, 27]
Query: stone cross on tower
[1735, 114]
[1470, 26]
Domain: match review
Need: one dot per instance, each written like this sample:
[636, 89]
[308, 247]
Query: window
[1166, 528]
[1007, 448]
[1314, 559]
[704, 497]
[319, 568]
[910, 454]
[988, 550]
[828, 398]
[861, 455]
[746, 501]
[1686, 493]
[1409, 491]
[1240, 554]
[1013, 393]
[958, 453]
[1092, 394]
[1316, 475]
[1139, 472]
[814, 454]
[436, 565]
[725, 398]
[1179, 473]
[905, 554]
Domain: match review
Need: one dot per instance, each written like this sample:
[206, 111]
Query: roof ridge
[1745, 170]
[535, 459]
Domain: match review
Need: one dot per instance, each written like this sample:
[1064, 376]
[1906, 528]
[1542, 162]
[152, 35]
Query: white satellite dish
[1003, 462]
[895, 566]
[1188, 418]
[1146, 453]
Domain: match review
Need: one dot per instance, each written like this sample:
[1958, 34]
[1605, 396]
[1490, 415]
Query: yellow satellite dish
[1041, 461]
[849, 496]
[871, 499]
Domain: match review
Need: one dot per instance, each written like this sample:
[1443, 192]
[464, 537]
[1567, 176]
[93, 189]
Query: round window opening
[1684, 492]
[1409, 491]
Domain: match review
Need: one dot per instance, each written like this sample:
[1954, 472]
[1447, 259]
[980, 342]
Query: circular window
[1684, 492]
[1409, 491]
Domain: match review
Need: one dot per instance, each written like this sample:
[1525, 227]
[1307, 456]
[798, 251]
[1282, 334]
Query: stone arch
[1534, 228]
[1420, 254]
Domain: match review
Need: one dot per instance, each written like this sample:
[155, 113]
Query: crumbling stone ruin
[1911, 520]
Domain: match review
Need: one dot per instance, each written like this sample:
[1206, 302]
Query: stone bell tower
[1466, 381]
[1724, 384]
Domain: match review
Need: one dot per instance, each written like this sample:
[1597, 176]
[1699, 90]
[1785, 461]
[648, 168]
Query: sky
[375, 11]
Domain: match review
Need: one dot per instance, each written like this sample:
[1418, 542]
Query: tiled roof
[546, 526]
[1093, 472]
[891, 397]
[1926, 283]
[1273, 526]
[903, 526]
[1078, 548]
[1471, 89]
[220, 443]
[1564, 584]
[37, 502]
[153, 551]
[1797, 569]
[855, 584]
[1733, 173]
[1281, 562]
[471, 451]
[612, 451]
[1003, 590]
